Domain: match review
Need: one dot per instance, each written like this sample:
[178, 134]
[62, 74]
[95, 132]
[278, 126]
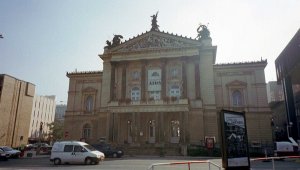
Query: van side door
[68, 153]
[79, 153]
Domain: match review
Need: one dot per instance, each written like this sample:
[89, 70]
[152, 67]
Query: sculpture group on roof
[154, 23]
[203, 32]
[116, 41]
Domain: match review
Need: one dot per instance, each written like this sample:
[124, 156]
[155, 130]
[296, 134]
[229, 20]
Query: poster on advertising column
[235, 152]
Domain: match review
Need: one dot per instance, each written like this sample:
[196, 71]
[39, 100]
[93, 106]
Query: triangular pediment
[155, 40]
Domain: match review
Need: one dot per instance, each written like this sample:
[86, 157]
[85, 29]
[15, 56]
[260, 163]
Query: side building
[43, 112]
[287, 71]
[16, 98]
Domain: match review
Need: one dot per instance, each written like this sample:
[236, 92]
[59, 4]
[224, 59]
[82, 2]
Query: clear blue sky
[45, 39]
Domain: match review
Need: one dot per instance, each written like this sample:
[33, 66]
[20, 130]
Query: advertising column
[235, 152]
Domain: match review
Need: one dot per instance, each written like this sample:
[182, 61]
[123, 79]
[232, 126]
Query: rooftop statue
[154, 23]
[116, 41]
[203, 32]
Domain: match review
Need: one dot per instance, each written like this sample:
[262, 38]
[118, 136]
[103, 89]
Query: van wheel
[57, 161]
[88, 161]
[115, 155]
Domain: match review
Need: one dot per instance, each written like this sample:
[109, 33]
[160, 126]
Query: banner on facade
[154, 80]
[235, 152]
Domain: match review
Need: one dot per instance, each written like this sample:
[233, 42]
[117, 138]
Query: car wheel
[57, 161]
[115, 155]
[88, 161]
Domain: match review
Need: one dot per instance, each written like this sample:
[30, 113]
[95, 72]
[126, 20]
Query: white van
[75, 152]
[286, 148]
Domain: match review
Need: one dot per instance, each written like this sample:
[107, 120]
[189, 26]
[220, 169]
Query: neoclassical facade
[160, 89]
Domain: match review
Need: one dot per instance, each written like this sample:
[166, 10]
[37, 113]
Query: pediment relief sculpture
[156, 41]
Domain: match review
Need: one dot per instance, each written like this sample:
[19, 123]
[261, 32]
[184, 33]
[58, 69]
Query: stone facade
[16, 98]
[160, 89]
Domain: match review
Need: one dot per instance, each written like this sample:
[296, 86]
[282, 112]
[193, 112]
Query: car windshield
[89, 147]
[7, 148]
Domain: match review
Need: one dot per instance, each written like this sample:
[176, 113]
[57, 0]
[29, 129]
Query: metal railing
[212, 164]
[188, 163]
[273, 159]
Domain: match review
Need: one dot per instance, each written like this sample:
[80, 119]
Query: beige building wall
[43, 113]
[84, 85]
[248, 80]
[16, 97]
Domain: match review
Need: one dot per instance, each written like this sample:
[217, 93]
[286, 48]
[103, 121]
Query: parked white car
[75, 152]
[12, 153]
[3, 155]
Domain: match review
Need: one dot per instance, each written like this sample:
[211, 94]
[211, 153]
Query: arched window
[89, 103]
[237, 99]
[86, 131]
[174, 91]
[135, 94]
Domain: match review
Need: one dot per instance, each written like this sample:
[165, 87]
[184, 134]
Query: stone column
[112, 82]
[111, 125]
[184, 78]
[143, 80]
[182, 128]
[157, 128]
[197, 80]
[164, 78]
[134, 128]
[123, 87]
[138, 125]
[161, 128]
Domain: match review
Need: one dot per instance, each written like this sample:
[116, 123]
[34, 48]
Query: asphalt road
[140, 163]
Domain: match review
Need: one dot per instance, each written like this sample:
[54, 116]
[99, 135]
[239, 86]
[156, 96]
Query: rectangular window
[68, 148]
[78, 148]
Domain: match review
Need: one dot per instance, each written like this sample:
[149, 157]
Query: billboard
[235, 152]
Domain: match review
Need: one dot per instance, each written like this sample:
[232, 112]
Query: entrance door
[129, 131]
[175, 131]
[152, 131]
